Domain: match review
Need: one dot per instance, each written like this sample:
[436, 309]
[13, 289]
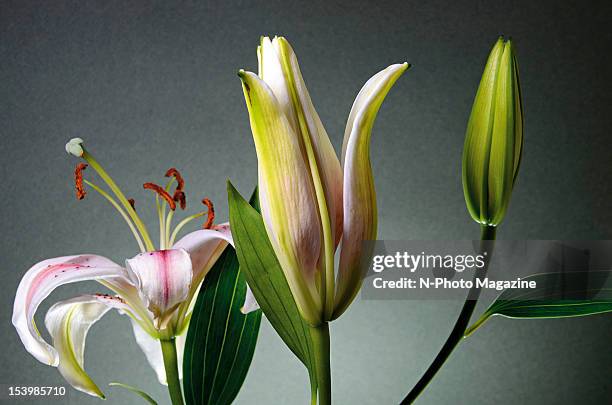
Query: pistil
[75, 147]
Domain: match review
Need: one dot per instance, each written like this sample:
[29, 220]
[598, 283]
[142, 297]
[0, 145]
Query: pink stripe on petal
[44, 277]
[163, 278]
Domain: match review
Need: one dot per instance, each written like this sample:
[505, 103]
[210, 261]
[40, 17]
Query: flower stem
[172, 375]
[486, 245]
[320, 338]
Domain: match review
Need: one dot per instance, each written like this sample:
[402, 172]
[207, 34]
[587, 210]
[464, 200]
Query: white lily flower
[155, 288]
[309, 201]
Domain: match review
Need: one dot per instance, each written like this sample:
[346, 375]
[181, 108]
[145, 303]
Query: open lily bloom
[309, 201]
[155, 288]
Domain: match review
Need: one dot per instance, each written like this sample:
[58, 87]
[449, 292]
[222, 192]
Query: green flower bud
[494, 138]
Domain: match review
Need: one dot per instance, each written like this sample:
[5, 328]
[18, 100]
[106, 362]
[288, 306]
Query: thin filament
[184, 222]
[121, 211]
[168, 226]
[121, 197]
[161, 207]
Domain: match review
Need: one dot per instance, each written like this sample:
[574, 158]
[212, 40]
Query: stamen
[210, 214]
[162, 193]
[125, 216]
[78, 180]
[132, 203]
[179, 196]
[76, 148]
[180, 183]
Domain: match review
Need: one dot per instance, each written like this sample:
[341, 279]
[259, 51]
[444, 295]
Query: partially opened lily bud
[494, 138]
[309, 201]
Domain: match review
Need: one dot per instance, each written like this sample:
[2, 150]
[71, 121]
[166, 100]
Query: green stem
[486, 245]
[313, 394]
[172, 375]
[320, 338]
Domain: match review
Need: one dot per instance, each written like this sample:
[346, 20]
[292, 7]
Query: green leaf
[136, 391]
[267, 280]
[220, 339]
[557, 295]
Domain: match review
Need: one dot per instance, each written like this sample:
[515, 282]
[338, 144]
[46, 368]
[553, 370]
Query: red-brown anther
[179, 196]
[78, 180]
[132, 203]
[162, 193]
[180, 183]
[210, 215]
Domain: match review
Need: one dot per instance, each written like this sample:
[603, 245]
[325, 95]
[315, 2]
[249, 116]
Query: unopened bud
[494, 138]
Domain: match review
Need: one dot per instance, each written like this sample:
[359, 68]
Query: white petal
[360, 217]
[40, 280]
[163, 278]
[250, 304]
[152, 349]
[287, 195]
[204, 247]
[325, 157]
[68, 323]
[271, 72]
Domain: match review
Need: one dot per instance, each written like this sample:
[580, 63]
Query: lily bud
[309, 201]
[494, 138]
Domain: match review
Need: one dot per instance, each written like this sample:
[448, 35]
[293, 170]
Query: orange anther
[180, 183]
[78, 180]
[162, 193]
[179, 196]
[210, 215]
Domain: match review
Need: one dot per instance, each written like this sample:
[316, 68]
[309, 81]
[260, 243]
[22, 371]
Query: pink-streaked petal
[225, 230]
[131, 297]
[68, 323]
[40, 280]
[204, 246]
[287, 194]
[325, 157]
[271, 72]
[360, 217]
[250, 304]
[163, 278]
[151, 347]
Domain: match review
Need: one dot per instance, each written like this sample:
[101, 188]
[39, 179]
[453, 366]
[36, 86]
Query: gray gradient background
[152, 86]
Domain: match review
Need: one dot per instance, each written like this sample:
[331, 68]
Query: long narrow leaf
[265, 277]
[557, 295]
[220, 339]
[146, 397]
